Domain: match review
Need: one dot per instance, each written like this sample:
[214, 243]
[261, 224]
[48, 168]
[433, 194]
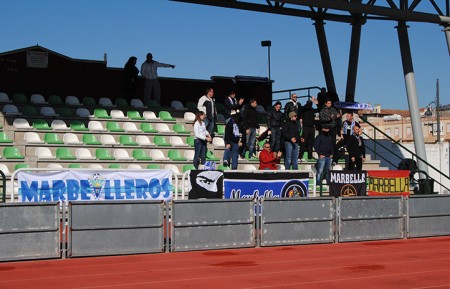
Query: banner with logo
[388, 183]
[84, 185]
[270, 184]
[205, 184]
[348, 183]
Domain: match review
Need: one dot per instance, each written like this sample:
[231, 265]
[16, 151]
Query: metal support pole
[447, 36]
[324, 54]
[438, 117]
[353, 61]
[268, 49]
[411, 92]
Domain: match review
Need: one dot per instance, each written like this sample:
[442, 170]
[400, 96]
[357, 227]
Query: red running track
[413, 263]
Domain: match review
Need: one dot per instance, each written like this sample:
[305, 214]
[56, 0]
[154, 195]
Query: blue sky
[203, 41]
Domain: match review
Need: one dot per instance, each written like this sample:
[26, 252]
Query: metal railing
[290, 91]
[4, 186]
[413, 155]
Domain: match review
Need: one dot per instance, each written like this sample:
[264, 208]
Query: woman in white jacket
[201, 138]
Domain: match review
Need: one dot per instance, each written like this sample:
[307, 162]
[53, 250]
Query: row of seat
[52, 138]
[100, 113]
[104, 154]
[97, 126]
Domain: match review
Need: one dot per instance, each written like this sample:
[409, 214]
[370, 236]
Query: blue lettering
[108, 190]
[45, 194]
[59, 188]
[118, 190]
[129, 188]
[73, 187]
[29, 193]
[154, 188]
[166, 187]
[85, 190]
[141, 188]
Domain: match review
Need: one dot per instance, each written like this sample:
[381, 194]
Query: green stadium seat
[188, 167]
[29, 110]
[55, 100]
[103, 154]
[153, 166]
[115, 166]
[121, 103]
[101, 113]
[41, 124]
[175, 155]
[4, 138]
[127, 140]
[114, 126]
[190, 140]
[64, 153]
[21, 166]
[64, 111]
[148, 128]
[12, 153]
[78, 126]
[90, 139]
[153, 104]
[75, 166]
[52, 138]
[165, 115]
[19, 98]
[222, 168]
[141, 155]
[134, 114]
[248, 158]
[180, 128]
[89, 101]
[210, 157]
[191, 106]
[160, 140]
[220, 129]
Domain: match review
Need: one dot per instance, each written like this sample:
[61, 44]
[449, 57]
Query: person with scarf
[324, 147]
[232, 142]
[346, 132]
[356, 149]
[232, 105]
[207, 104]
[291, 135]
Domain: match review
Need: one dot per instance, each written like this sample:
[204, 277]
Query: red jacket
[268, 160]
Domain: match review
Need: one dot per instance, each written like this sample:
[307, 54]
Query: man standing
[346, 132]
[232, 139]
[292, 105]
[308, 131]
[149, 71]
[324, 147]
[291, 134]
[232, 105]
[328, 117]
[275, 120]
[250, 123]
[356, 149]
[207, 104]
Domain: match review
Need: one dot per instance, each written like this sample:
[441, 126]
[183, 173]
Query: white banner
[84, 185]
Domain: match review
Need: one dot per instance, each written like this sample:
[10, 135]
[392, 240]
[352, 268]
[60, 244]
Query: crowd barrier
[32, 230]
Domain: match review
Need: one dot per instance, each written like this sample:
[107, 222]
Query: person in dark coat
[251, 125]
[292, 105]
[324, 147]
[275, 119]
[232, 139]
[356, 149]
[130, 77]
[291, 136]
[308, 132]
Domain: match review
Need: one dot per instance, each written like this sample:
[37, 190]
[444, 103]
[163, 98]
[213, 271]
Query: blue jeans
[323, 166]
[291, 157]
[233, 154]
[209, 124]
[200, 152]
[275, 138]
[250, 142]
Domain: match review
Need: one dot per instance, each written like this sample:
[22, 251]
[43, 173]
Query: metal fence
[32, 230]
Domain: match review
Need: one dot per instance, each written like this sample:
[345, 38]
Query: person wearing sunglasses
[269, 160]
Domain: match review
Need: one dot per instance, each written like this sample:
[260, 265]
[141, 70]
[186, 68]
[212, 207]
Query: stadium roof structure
[358, 12]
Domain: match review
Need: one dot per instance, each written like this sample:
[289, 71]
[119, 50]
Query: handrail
[308, 88]
[405, 148]
[4, 186]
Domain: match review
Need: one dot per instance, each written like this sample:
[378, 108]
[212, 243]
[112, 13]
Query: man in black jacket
[292, 105]
[308, 131]
[275, 119]
[324, 146]
[291, 135]
[232, 105]
[356, 149]
[250, 124]
[232, 142]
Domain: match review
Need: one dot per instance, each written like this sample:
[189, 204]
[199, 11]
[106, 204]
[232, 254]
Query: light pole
[429, 113]
[267, 43]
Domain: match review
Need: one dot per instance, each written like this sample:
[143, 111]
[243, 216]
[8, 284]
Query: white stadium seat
[108, 139]
[122, 155]
[95, 125]
[83, 112]
[150, 115]
[163, 128]
[144, 140]
[158, 155]
[71, 139]
[44, 153]
[189, 116]
[105, 101]
[135, 102]
[58, 124]
[84, 154]
[130, 127]
[177, 141]
[118, 114]
[48, 111]
[21, 123]
[37, 99]
[32, 137]
[11, 110]
[72, 100]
